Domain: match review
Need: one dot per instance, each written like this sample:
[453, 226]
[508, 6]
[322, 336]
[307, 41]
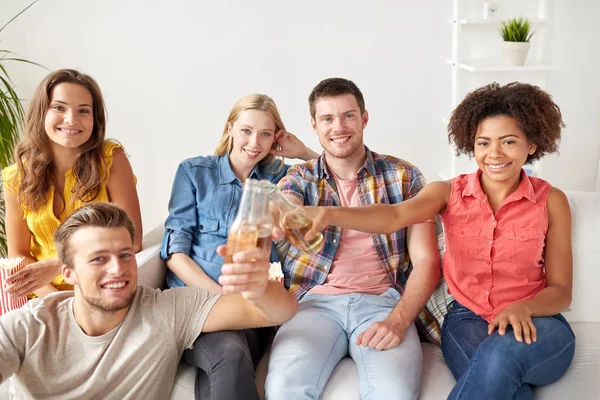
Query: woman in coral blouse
[508, 260]
[62, 162]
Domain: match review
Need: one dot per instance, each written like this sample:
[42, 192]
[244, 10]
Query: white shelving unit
[486, 61]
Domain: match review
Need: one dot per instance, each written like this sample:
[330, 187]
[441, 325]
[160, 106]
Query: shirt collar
[524, 190]
[369, 165]
[226, 174]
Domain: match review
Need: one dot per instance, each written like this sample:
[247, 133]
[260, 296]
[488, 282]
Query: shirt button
[334, 241]
[489, 242]
[487, 292]
[494, 224]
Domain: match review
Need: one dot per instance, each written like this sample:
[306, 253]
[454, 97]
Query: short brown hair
[99, 215]
[335, 87]
[532, 108]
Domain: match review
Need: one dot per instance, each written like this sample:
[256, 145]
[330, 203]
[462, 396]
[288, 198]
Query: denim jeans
[307, 348]
[498, 367]
[226, 362]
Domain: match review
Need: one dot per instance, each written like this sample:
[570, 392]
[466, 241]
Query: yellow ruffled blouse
[43, 223]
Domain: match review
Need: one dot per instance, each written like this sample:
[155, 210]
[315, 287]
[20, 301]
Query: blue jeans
[307, 348]
[498, 367]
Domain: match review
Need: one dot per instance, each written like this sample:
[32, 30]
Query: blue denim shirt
[204, 201]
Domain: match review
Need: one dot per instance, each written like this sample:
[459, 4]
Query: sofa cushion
[184, 382]
[436, 383]
[585, 211]
[582, 380]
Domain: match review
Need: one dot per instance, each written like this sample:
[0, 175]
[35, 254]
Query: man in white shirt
[109, 338]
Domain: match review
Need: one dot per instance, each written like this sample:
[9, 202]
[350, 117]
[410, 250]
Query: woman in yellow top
[62, 163]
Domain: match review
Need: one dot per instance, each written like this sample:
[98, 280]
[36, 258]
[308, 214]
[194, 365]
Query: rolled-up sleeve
[181, 224]
[417, 182]
[291, 184]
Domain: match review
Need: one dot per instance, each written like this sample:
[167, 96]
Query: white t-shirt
[53, 358]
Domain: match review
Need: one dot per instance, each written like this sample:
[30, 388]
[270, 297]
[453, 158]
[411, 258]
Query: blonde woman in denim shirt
[204, 201]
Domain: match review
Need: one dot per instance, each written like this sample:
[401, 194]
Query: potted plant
[516, 33]
[11, 121]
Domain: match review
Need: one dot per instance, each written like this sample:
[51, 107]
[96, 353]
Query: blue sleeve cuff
[175, 242]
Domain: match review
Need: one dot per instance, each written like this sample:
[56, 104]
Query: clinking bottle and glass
[253, 224]
[296, 223]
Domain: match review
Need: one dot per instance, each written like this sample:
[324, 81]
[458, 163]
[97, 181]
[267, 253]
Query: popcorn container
[275, 273]
[9, 266]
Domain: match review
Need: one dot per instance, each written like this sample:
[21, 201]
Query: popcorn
[275, 272]
[9, 266]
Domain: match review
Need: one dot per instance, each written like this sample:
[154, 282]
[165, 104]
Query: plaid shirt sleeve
[292, 183]
[416, 183]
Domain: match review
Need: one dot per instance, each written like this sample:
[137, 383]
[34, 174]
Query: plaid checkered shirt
[382, 179]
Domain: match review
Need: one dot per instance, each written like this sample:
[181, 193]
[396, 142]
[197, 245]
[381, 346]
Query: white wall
[171, 70]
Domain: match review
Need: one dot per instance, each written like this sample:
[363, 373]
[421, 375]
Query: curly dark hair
[532, 108]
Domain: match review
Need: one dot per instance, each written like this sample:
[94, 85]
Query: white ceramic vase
[515, 53]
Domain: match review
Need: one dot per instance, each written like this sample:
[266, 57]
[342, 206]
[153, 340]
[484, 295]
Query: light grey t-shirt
[53, 358]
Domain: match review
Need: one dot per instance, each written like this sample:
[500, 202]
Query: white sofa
[582, 381]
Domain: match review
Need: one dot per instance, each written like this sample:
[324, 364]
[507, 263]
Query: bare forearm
[375, 218]
[419, 288]
[191, 274]
[309, 155]
[275, 307]
[45, 290]
[26, 255]
[549, 301]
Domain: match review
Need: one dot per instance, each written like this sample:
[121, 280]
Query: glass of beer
[296, 223]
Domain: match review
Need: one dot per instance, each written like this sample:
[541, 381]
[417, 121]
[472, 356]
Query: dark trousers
[225, 363]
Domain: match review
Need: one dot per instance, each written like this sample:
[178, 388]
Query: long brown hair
[33, 154]
[253, 101]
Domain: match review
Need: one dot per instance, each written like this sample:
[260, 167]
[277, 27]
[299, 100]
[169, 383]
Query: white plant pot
[515, 53]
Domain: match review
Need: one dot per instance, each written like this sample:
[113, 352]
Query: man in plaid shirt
[361, 294]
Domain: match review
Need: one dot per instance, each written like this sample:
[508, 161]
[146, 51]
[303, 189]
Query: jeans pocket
[391, 293]
[455, 309]
[306, 297]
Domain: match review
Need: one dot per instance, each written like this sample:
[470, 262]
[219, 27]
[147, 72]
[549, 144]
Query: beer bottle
[253, 223]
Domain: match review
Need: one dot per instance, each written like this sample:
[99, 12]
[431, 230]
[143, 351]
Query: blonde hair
[259, 102]
[33, 154]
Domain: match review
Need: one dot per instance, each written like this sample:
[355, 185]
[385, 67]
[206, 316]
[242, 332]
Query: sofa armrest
[151, 268]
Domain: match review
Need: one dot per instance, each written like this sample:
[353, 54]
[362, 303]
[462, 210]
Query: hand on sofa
[518, 315]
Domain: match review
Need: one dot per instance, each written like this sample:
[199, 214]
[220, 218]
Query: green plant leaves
[516, 30]
[11, 121]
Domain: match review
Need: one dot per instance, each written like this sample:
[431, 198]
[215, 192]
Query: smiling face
[339, 125]
[104, 270]
[253, 134]
[69, 120]
[501, 149]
